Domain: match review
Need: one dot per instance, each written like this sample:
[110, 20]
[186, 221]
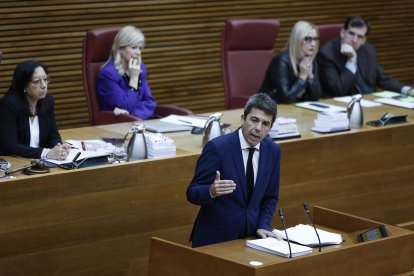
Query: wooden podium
[387, 256]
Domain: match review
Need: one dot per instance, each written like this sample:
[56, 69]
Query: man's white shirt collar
[243, 142]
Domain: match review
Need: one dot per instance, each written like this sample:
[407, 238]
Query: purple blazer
[113, 91]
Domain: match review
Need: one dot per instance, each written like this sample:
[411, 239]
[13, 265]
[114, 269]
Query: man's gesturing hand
[222, 187]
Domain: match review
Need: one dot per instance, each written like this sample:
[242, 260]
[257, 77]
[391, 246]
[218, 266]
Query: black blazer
[337, 80]
[283, 86]
[15, 130]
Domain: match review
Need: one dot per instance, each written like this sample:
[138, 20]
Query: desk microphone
[76, 157]
[284, 227]
[77, 165]
[305, 205]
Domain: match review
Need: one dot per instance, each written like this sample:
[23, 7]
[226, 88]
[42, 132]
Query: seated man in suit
[236, 180]
[348, 65]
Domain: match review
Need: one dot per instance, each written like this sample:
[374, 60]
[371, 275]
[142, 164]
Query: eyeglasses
[37, 81]
[309, 39]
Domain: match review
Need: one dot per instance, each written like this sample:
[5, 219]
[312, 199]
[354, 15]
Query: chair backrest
[95, 51]
[96, 48]
[328, 32]
[246, 51]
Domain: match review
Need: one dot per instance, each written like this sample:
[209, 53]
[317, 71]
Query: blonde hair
[127, 36]
[297, 36]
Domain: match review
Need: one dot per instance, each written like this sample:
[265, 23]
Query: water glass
[120, 153]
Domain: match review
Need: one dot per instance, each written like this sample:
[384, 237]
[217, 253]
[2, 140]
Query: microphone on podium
[305, 205]
[284, 227]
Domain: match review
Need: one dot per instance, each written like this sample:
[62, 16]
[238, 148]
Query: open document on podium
[281, 248]
[305, 234]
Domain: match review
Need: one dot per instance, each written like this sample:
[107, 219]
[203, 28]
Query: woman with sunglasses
[292, 76]
[27, 118]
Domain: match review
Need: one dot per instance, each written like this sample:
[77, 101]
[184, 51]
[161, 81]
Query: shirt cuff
[44, 153]
[209, 190]
[351, 67]
[405, 90]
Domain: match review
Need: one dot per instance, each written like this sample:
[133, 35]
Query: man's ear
[342, 33]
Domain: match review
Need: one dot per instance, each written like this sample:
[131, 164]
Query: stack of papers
[305, 234]
[386, 94]
[83, 155]
[406, 102]
[87, 149]
[163, 127]
[284, 128]
[281, 248]
[394, 98]
[185, 120]
[364, 103]
[91, 145]
[321, 107]
[331, 122]
[159, 145]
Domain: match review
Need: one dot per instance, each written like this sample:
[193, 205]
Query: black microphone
[284, 227]
[75, 164]
[305, 205]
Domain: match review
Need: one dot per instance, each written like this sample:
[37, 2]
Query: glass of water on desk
[120, 153]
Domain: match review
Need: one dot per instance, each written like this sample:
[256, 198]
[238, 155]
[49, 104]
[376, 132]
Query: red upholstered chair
[246, 51]
[96, 49]
[328, 32]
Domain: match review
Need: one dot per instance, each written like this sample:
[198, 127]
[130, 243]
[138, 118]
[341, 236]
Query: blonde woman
[122, 82]
[292, 75]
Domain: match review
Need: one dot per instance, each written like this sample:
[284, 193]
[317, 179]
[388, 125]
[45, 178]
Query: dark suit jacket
[281, 78]
[15, 130]
[337, 80]
[225, 218]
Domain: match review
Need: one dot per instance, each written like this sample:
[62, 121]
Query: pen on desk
[319, 105]
[71, 145]
[187, 122]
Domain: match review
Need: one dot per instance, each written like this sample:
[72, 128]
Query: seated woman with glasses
[27, 118]
[122, 82]
[292, 76]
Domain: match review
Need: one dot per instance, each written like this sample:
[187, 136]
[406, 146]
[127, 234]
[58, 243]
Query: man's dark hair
[263, 102]
[357, 22]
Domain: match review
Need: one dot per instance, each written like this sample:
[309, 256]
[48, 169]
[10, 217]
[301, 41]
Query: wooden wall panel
[183, 41]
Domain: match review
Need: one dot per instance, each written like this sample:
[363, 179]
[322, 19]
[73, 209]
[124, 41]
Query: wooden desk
[387, 256]
[97, 220]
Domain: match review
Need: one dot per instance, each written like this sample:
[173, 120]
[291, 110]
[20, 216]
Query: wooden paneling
[183, 41]
[99, 221]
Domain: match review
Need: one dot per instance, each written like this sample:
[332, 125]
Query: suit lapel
[42, 131]
[237, 156]
[363, 62]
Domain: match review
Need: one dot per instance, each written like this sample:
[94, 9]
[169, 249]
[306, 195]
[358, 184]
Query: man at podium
[236, 180]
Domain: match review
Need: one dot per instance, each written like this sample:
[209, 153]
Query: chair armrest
[165, 110]
[108, 117]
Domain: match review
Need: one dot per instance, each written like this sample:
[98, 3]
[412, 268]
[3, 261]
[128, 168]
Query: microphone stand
[305, 205]
[284, 227]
